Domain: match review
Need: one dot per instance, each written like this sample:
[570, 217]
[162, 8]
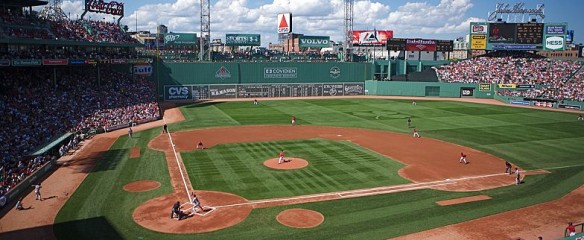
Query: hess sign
[99, 6]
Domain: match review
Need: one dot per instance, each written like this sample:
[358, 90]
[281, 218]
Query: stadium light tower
[53, 11]
[348, 44]
[205, 38]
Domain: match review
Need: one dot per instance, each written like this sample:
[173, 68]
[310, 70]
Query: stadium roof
[23, 3]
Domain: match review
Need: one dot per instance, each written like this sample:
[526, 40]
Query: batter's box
[206, 210]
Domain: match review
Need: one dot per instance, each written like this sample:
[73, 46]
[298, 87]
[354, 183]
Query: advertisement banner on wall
[554, 43]
[143, 69]
[242, 40]
[374, 37]
[314, 41]
[4, 62]
[503, 85]
[180, 39]
[420, 45]
[478, 28]
[478, 42]
[177, 93]
[466, 92]
[485, 87]
[54, 62]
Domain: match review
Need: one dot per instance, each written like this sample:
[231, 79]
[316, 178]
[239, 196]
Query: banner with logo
[280, 72]
[581, 51]
[177, 93]
[374, 37]
[478, 42]
[53, 62]
[555, 29]
[478, 28]
[466, 92]
[242, 40]
[4, 62]
[314, 41]
[503, 85]
[420, 45]
[180, 39]
[555, 43]
[26, 62]
[485, 87]
[143, 69]
[568, 106]
[285, 23]
[77, 61]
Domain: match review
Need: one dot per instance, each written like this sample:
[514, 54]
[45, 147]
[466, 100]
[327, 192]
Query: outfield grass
[530, 138]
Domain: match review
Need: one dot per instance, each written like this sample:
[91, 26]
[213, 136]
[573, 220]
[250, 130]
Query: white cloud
[311, 17]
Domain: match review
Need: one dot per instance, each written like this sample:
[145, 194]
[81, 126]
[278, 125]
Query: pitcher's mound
[141, 186]
[300, 218]
[293, 163]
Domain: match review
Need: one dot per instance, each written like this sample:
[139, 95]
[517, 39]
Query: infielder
[462, 158]
[517, 176]
[416, 133]
[409, 122]
[508, 168]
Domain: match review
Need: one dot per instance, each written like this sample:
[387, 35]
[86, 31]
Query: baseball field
[367, 177]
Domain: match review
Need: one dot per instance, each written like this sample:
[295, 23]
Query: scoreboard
[529, 33]
[529, 36]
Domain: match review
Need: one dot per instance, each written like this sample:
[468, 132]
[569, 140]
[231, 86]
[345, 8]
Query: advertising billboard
[242, 40]
[555, 29]
[570, 36]
[285, 23]
[555, 43]
[314, 41]
[374, 37]
[420, 45]
[180, 39]
[478, 28]
[478, 42]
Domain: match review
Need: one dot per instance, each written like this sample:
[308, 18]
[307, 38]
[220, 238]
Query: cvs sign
[175, 93]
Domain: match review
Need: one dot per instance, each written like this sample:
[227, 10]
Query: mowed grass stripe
[334, 166]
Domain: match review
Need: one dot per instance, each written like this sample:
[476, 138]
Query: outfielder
[462, 158]
[293, 120]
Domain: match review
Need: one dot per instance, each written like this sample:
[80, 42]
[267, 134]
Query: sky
[430, 19]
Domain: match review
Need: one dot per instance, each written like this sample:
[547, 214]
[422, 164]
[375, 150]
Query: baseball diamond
[113, 131]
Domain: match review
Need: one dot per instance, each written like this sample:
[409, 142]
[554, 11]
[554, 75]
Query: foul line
[376, 190]
[178, 163]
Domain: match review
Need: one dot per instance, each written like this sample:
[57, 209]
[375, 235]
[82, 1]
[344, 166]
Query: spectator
[571, 229]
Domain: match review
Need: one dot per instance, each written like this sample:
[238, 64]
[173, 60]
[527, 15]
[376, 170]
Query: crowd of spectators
[559, 79]
[37, 108]
[17, 25]
[47, 53]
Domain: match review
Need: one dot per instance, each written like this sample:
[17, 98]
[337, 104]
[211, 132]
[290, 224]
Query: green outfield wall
[187, 81]
[429, 89]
